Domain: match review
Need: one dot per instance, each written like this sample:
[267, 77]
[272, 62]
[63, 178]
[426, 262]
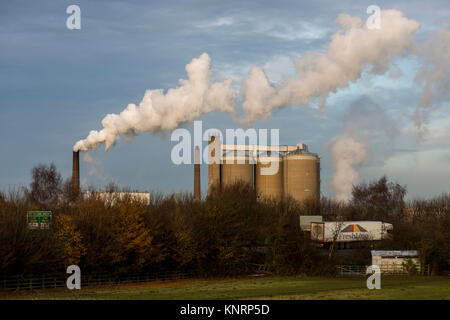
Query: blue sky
[57, 84]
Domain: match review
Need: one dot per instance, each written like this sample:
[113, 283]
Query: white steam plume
[163, 112]
[347, 153]
[434, 75]
[366, 124]
[351, 49]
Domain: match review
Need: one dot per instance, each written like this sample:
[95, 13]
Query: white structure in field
[110, 197]
[395, 261]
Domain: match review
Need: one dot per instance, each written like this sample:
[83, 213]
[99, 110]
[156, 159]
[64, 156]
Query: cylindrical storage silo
[236, 167]
[214, 163]
[302, 176]
[269, 176]
[197, 187]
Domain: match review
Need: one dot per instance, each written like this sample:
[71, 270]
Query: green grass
[257, 288]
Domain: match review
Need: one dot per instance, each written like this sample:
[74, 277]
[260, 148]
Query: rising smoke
[164, 112]
[367, 134]
[434, 74]
[352, 50]
[347, 153]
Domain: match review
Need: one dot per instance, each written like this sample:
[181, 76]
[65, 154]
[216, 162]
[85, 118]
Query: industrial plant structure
[296, 174]
[108, 197]
[275, 172]
[76, 172]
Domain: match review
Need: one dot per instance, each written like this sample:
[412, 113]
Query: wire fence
[351, 270]
[20, 282]
[23, 282]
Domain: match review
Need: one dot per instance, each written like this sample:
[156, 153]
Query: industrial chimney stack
[197, 190]
[76, 172]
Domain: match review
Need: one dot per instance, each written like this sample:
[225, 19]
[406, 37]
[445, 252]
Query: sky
[56, 85]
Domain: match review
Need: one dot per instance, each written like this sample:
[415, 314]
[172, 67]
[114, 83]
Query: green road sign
[39, 219]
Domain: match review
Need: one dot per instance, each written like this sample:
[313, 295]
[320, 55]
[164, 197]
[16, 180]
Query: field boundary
[49, 281]
[355, 270]
[22, 282]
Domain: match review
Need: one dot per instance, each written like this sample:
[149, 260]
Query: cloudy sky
[56, 85]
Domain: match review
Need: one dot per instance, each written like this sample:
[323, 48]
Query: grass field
[257, 288]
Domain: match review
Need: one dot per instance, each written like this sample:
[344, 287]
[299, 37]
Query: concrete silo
[197, 187]
[214, 163]
[236, 166]
[298, 174]
[269, 176]
[301, 175]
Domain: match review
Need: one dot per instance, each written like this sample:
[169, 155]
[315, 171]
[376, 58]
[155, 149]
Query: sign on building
[39, 219]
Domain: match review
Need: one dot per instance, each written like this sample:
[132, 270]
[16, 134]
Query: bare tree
[46, 184]
[336, 231]
[379, 199]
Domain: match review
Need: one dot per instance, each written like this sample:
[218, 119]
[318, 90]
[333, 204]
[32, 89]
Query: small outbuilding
[396, 261]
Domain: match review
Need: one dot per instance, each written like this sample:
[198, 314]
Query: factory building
[297, 174]
[110, 198]
[275, 172]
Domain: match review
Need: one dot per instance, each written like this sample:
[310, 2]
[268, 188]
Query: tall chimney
[76, 172]
[197, 190]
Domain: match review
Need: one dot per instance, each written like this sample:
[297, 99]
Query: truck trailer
[349, 231]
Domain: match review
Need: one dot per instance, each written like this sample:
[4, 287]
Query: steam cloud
[434, 75]
[347, 153]
[351, 49]
[367, 127]
[164, 112]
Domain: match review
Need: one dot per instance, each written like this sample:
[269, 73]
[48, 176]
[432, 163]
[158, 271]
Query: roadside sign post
[39, 220]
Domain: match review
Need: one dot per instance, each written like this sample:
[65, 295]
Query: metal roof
[393, 253]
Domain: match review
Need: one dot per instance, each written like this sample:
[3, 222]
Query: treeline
[230, 232]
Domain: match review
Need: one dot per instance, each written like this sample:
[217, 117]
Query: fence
[20, 282]
[350, 270]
